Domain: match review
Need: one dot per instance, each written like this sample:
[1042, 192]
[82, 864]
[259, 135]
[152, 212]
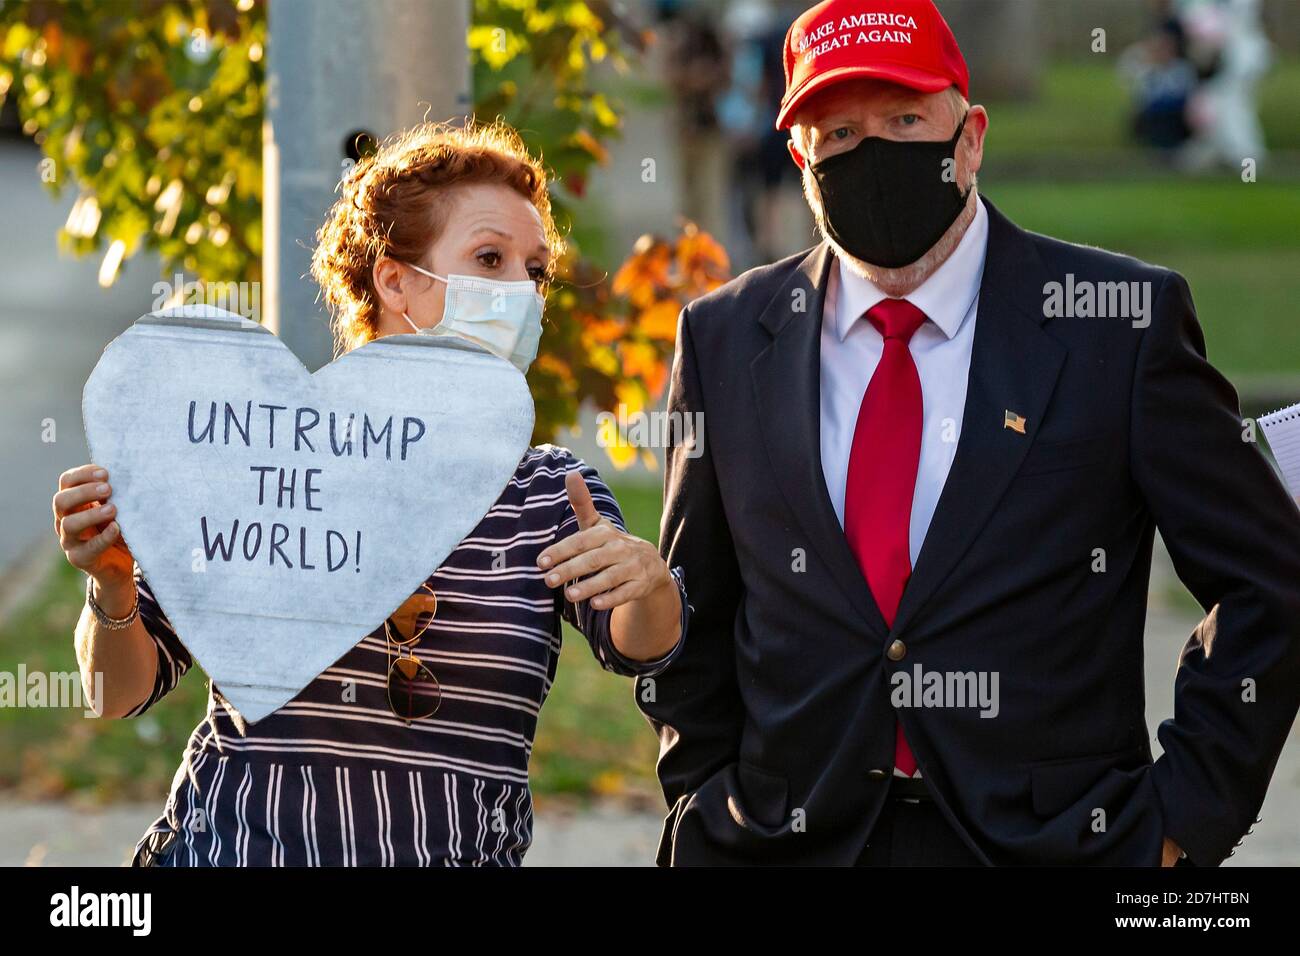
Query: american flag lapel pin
[1013, 421]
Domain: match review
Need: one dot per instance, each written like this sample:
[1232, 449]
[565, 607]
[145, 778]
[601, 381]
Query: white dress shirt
[941, 347]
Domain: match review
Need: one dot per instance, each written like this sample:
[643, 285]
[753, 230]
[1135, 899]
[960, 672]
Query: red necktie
[882, 472]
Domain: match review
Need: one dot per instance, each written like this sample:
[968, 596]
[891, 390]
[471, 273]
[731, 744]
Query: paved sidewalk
[59, 834]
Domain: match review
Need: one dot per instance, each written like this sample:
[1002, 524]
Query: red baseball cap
[902, 41]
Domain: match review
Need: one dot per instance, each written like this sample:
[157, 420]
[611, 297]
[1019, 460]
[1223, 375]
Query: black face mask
[886, 201]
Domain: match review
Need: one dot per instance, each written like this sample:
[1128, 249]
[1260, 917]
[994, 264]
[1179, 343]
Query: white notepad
[1282, 429]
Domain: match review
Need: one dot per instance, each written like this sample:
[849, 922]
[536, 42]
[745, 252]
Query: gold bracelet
[104, 621]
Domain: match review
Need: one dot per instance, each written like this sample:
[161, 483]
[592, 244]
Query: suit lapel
[1014, 368]
[787, 392]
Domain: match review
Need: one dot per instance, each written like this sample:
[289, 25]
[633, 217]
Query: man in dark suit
[917, 522]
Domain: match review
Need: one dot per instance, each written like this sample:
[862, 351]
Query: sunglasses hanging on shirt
[413, 691]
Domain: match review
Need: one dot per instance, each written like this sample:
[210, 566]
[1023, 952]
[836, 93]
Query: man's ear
[795, 154]
[977, 124]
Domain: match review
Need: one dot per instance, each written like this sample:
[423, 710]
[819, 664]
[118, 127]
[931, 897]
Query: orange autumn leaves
[617, 345]
[656, 281]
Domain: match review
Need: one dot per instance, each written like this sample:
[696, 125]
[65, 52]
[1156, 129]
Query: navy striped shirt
[335, 778]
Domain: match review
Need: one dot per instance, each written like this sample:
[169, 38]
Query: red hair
[395, 202]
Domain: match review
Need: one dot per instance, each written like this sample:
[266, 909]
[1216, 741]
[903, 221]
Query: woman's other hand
[617, 567]
[619, 571]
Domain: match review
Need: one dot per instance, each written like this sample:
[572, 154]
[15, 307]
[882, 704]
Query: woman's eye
[842, 132]
[537, 273]
[909, 119]
[490, 259]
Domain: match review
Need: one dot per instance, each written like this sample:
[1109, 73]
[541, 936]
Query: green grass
[1238, 245]
[1051, 123]
[1083, 110]
[49, 752]
[1150, 216]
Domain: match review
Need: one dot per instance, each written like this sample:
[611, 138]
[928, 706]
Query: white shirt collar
[945, 297]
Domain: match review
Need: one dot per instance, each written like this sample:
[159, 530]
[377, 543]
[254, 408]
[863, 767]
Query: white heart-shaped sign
[280, 516]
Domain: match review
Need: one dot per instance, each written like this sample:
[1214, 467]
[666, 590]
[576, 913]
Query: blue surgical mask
[503, 317]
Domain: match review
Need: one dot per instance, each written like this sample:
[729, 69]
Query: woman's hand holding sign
[86, 523]
[84, 520]
[616, 570]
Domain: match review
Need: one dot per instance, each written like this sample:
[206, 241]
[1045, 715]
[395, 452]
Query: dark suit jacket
[776, 724]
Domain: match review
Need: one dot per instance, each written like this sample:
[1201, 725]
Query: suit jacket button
[897, 651]
[878, 774]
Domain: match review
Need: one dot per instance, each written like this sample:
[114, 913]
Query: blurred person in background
[1163, 81]
[743, 116]
[698, 71]
[768, 216]
[1226, 39]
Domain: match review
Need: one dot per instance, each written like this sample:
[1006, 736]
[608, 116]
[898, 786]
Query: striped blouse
[334, 778]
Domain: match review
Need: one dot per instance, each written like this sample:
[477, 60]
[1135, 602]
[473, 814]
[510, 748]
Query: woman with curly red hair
[430, 233]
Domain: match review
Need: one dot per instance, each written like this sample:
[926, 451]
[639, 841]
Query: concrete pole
[336, 67]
